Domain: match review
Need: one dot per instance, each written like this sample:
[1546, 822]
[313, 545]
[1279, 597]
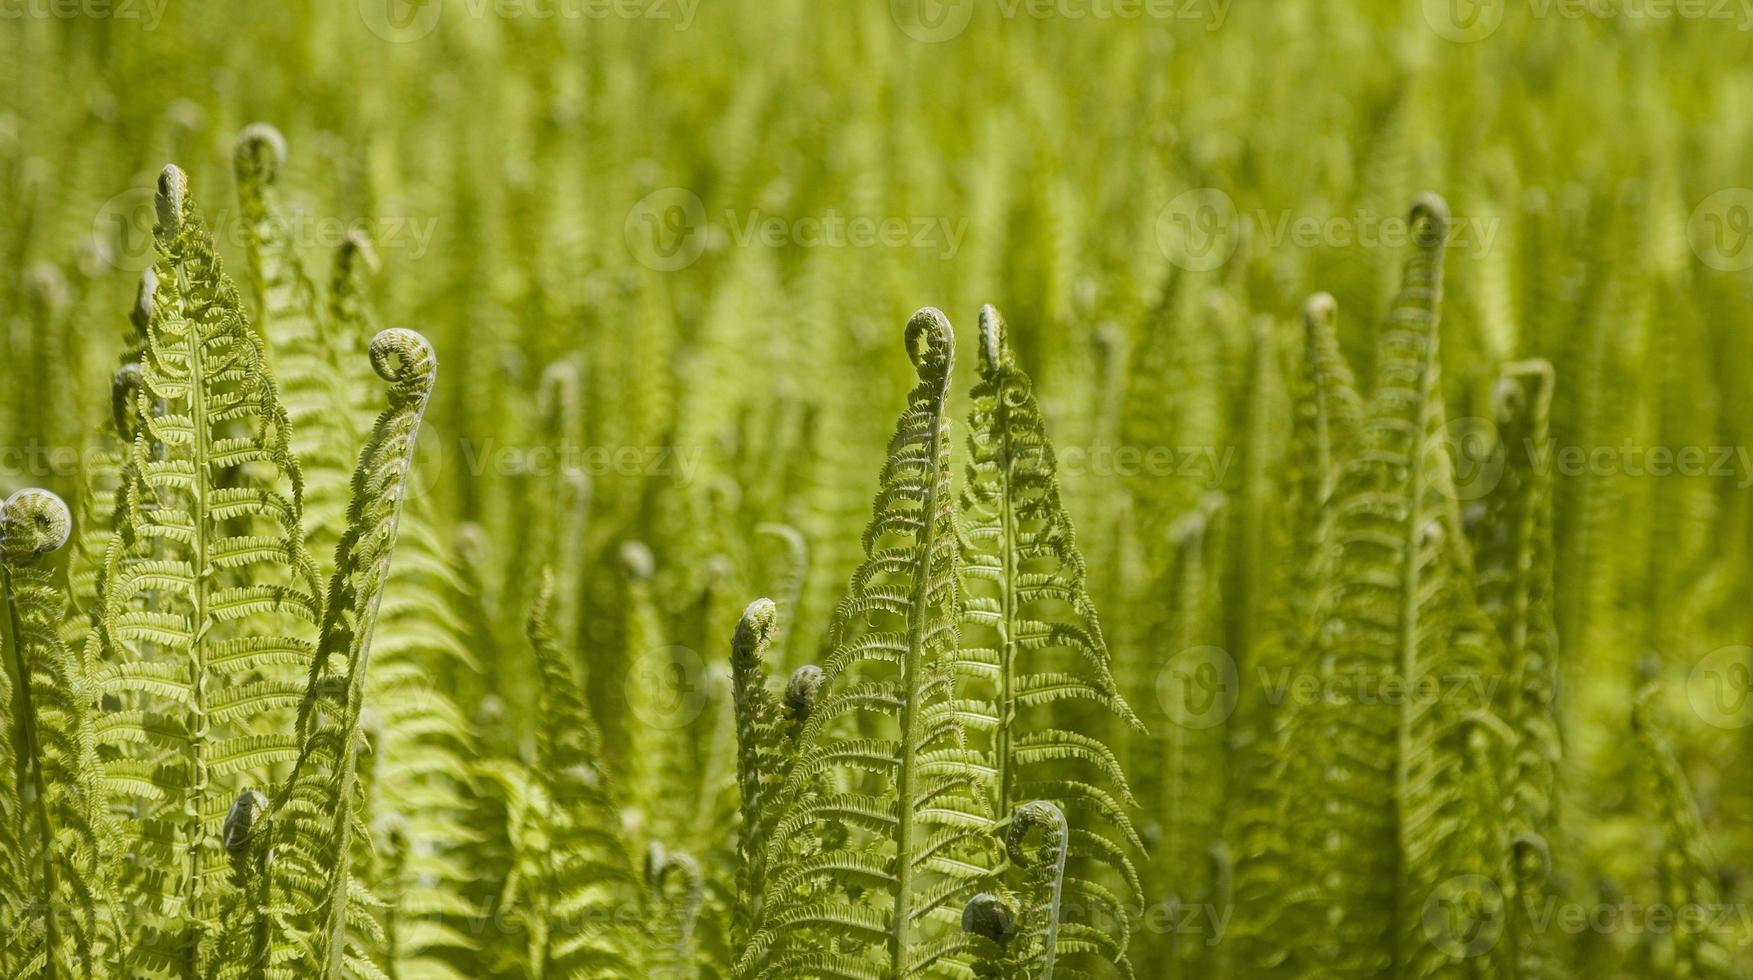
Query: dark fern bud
[801, 691]
[987, 915]
[240, 820]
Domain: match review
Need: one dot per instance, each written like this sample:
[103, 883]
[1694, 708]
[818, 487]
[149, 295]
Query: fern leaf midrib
[901, 928]
[201, 517]
[1007, 594]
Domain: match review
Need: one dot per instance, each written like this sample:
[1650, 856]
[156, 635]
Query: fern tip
[994, 340]
[1430, 220]
[260, 151]
[931, 328]
[173, 188]
[33, 522]
[404, 359]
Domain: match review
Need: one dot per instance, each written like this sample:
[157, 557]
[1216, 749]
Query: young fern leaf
[1023, 589]
[101, 468]
[50, 707]
[316, 812]
[1027, 946]
[1325, 414]
[421, 784]
[876, 838]
[1515, 562]
[578, 873]
[208, 598]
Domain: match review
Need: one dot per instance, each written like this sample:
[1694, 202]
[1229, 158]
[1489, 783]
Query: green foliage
[1388, 601]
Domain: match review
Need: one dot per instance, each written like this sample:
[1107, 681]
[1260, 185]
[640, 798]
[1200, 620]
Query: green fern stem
[32, 523]
[931, 344]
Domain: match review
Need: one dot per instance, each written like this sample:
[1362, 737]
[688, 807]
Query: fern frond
[876, 837]
[678, 890]
[315, 813]
[208, 569]
[1515, 560]
[1028, 616]
[1398, 609]
[307, 354]
[51, 707]
[1026, 945]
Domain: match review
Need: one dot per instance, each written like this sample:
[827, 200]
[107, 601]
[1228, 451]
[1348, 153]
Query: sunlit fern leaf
[1026, 943]
[662, 691]
[878, 822]
[1514, 558]
[209, 600]
[51, 706]
[1697, 946]
[315, 814]
[578, 878]
[1032, 632]
[306, 353]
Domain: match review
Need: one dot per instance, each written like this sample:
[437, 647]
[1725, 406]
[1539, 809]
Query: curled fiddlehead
[678, 887]
[46, 697]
